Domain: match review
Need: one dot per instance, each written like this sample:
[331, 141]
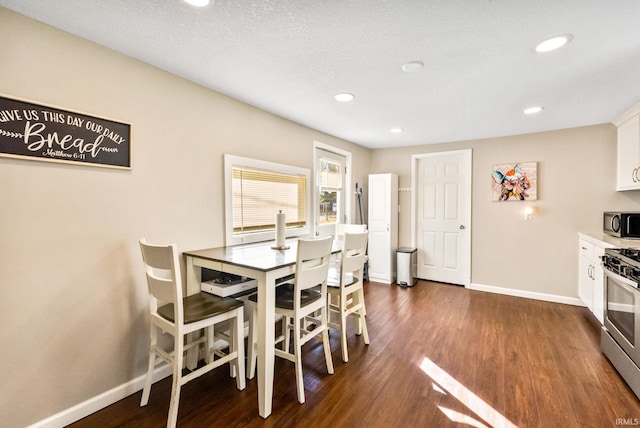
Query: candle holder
[280, 247]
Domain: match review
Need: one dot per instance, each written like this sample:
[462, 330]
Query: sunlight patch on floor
[448, 384]
[437, 388]
[461, 418]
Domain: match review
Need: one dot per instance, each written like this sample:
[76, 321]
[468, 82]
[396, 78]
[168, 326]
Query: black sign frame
[33, 131]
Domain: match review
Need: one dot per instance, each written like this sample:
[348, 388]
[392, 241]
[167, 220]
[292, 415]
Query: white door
[330, 194]
[443, 216]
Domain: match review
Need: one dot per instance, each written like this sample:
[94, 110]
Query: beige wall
[576, 183]
[73, 320]
[74, 308]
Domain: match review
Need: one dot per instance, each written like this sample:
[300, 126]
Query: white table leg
[193, 274]
[266, 331]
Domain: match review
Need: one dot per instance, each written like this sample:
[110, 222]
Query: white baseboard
[527, 294]
[381, 280]
[99, 402]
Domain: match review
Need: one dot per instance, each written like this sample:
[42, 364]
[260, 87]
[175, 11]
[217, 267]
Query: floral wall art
[516, 181]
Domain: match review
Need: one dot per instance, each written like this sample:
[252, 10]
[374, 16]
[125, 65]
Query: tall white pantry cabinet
[383, 227]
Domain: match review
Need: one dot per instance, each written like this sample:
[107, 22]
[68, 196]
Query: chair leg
[172, 419]
[326, 344]
[148, 379]
[286, 321]
[363, 319]
[233, 367]
[327, 350]
[365, 333]
[342, 309]
[252, 343]
[298, 359]
[343, 334]
[152, 364]
[357, 299]
[325, 339]
[238, 347]
[208, 335]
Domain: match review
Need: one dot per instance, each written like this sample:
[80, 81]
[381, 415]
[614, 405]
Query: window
[255, 191]
[330, 184]
[331, 200]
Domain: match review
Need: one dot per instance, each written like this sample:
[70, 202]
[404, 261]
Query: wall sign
[37, 132]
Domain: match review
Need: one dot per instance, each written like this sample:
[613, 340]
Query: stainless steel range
[620, 338]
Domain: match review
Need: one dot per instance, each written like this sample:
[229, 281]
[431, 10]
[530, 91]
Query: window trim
[231, 161]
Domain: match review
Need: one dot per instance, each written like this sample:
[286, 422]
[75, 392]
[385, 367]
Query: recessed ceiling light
[344, 98]
[396, 130]
[412, 66]
[197, 3]
[553, 43]
[533, 110]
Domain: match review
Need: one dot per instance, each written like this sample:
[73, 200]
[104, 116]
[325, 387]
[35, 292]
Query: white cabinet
[591, 275]
[585, 275]
[383, 226]
[628, 165]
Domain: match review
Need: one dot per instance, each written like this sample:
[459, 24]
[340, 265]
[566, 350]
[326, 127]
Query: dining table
[266, 264]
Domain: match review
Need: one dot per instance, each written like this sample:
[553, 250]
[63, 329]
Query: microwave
[622, 224]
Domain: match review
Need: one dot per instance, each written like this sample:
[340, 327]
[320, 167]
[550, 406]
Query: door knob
[462, 227]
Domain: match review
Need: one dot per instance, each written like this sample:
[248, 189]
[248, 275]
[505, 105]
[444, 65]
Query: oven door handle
[621, 279]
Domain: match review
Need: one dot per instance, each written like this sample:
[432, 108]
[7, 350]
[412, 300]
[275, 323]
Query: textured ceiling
[290, 57]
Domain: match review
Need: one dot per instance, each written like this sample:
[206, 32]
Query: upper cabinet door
[628, 169]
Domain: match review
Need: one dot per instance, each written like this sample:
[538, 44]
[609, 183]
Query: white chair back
[354, 252]
[343, 228]
[163, 276]
[312, 264]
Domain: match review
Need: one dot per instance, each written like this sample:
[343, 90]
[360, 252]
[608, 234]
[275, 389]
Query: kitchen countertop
[607, 241]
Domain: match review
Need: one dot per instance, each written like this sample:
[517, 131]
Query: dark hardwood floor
[440, 356]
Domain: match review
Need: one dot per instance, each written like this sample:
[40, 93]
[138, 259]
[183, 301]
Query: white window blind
[255, 191]
[259, 195]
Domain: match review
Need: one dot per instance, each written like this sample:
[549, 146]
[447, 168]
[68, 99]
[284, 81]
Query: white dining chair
[345, 288]
[175, 314]
[343, 228]
[303, 302]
